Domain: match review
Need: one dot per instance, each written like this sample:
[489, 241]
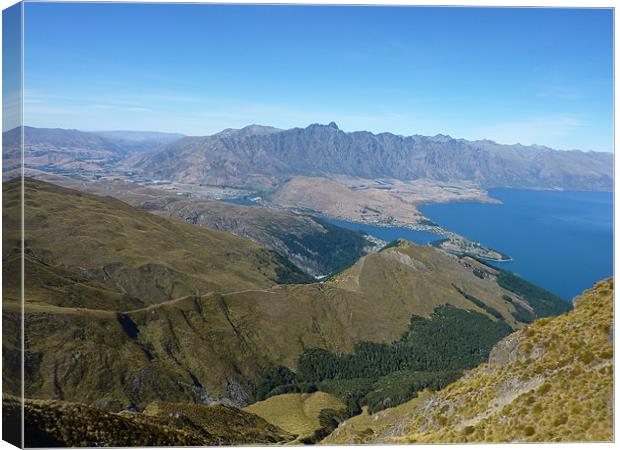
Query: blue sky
[11, 67]
[513, 75]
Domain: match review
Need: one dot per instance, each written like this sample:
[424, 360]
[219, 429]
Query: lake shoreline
[452, 242]
[560, 240]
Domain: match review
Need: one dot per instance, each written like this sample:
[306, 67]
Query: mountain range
[71, 151]
[260, 156]
[268, 158]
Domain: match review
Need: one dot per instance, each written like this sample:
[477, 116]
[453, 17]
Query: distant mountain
[139, 136]
[57, 147]
[58, 137]
[266, 159]
[136, 142]
[250, 130]
[262, 156]
[72, 151]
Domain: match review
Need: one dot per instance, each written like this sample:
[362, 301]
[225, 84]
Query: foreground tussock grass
[53, 423]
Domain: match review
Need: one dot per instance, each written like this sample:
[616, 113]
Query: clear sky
[540, 76]
[11, 66]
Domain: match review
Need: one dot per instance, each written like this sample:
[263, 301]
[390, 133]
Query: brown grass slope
[316, 248]
[296, 413]
[202, 348]
[549, 382]
[197, 348]
[231, 424]
[312, 245]
[143, 255]
[52, 423]
[335, 199]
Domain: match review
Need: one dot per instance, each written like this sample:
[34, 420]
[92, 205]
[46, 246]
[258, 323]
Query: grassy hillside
[315, 246]
[64, 424]
[432, 353]
[131, 251]
[99, 300]
[296, 413]
[230, 424]
[549, 382]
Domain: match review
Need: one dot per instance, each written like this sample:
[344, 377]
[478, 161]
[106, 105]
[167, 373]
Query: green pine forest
[432, 353]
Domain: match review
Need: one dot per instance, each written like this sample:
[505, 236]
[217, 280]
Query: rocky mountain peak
[331, 125]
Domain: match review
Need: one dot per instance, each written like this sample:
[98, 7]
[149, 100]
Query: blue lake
[562, 241]
[244, 201]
